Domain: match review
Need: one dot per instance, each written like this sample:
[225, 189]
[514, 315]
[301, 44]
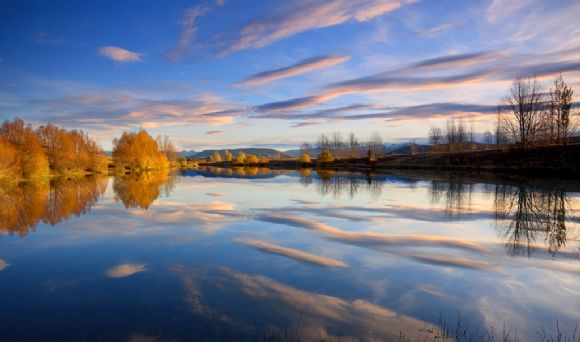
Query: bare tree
[337, 144]
[435, 135]
[353, 145]
[487, 138]
[521, 112]
[375, 146]
[559, 111]
[323, 142]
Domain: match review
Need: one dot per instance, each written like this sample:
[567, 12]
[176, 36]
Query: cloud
[293, 253]
[304, 66]
[3, 264]
[499, 9]
[116, 109]
[303, 16]
[125, 270]
[280, 23]
[435, 30]
[119, 54]
[214, 132]
[432, 74]
[188, 31]
[424, 111]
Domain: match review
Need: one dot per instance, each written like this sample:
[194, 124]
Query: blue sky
[275, 73]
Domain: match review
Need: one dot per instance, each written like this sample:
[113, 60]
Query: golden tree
[138, 152]
[10, 162]
[251, 159]
[33, 161]
[325, 157]
[240, 158]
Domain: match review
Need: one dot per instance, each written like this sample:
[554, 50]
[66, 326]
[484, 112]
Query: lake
[258, 254]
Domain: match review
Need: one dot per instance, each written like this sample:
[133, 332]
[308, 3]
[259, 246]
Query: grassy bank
[544, 160]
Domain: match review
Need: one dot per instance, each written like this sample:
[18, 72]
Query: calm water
[255, 254]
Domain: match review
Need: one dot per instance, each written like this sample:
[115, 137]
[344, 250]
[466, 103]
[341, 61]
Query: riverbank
[563, 161]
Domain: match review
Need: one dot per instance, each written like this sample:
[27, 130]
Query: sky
[244, 73]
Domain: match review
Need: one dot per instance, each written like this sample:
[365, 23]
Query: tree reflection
[340, 184]
[524, 212]
[142, 189]
[455, 192]
[23, 206]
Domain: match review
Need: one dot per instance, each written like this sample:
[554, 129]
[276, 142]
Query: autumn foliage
[28, 153]
[138, 152]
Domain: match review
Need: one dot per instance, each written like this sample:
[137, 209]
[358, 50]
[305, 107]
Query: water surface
[255, 254]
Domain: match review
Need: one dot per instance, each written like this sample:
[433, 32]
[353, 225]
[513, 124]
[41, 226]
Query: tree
[216, 157]
[251, 159]
[521, 112]
[240, 158]
[323, 142]
[10, 166]
[559, 111]
[337, 144]
[138, 152]
[168, 148]
[487, 138]
[325, 157]
[228, 156]
[436, 135]
[375, 146]
[304, 158]
[33, 160]
[353, 146]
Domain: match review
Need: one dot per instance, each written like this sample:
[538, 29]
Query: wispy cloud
[438, 73]
[438, 29]
[283, 22]
[293, 253]
[119, 54]
[188, 24]
[125, 270]
[214, 132]
[307, 65]
[126, 107]
[306, 15]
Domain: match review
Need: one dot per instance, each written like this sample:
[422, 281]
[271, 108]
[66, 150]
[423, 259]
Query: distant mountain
[267, 152]
[188, 153]
[406, 149]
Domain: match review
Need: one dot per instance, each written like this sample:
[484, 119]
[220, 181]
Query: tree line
[241, 158]
[526, 116]
[30, 153]
[336, 146]
[50, 150]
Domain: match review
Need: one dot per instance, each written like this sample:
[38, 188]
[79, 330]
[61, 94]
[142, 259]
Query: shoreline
[563, 161]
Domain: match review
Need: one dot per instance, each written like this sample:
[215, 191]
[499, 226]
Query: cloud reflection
[125, 270]
[3, 264]
[293, 253]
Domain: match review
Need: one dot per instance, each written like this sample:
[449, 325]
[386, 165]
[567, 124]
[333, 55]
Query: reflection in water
[456, 194]
[233, 172]
[23, 205]
[522, 213]
[141, 190]
[300, 315]
[339, 184]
